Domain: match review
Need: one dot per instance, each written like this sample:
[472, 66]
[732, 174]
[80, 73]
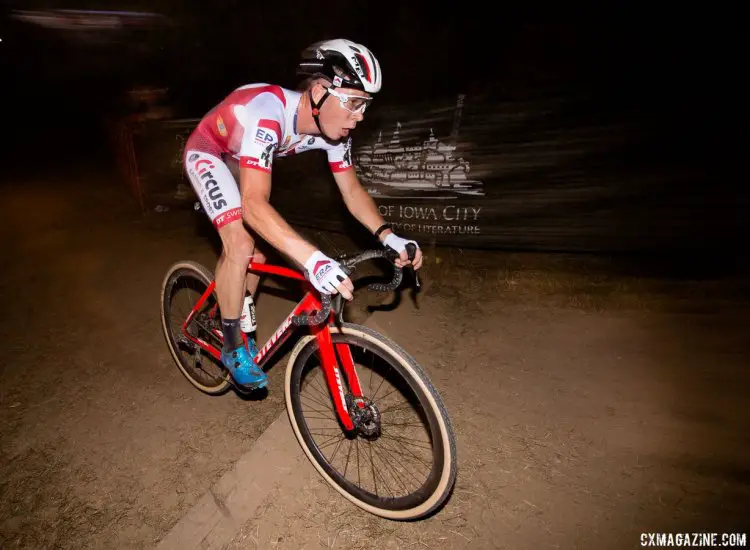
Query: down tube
[306, 305]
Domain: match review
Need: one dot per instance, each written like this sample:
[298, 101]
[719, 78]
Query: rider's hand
[326, 275]
[399, 245]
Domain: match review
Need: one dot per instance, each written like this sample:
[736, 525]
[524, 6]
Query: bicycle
[367, 427]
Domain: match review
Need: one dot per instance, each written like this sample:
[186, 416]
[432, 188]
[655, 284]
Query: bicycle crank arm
[184, 341]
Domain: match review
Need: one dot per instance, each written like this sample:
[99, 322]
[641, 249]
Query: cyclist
[255, 124]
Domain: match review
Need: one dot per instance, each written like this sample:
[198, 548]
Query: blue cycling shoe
[242, 367]
[252, 347]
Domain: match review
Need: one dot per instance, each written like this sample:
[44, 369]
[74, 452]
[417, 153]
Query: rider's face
[338, 120]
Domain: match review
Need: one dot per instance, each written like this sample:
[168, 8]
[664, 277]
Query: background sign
[559, 171]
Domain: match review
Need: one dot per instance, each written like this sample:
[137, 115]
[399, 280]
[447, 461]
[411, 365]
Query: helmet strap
[316, 108]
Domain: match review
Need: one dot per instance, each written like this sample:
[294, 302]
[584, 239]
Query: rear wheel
[183, 286]
[400, 460]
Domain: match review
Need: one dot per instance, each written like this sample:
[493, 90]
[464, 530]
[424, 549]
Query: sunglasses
[353, 103]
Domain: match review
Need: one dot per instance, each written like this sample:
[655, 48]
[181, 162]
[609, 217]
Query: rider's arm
[359, 202]
[255, 188]
[324, 273]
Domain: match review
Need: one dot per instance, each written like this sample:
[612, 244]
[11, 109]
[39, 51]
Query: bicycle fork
[332, 371]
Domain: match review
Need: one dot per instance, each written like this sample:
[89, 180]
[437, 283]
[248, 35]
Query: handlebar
[347, 264]
[305, 319]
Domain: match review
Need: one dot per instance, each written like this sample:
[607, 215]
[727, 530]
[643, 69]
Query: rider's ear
[318, 88]
[318, 91]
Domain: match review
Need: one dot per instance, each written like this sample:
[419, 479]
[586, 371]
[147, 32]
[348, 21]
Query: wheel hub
[365, 416]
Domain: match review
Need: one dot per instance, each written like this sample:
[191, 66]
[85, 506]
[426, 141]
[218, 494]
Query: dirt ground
[589, 406]
[576, 429]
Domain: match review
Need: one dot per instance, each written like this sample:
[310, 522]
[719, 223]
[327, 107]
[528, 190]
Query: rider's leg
[237, 250]
[252, 279]
[220, 196]
[251, 286]
[231, 268]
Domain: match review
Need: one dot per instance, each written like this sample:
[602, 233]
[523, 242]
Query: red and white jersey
[258, 122]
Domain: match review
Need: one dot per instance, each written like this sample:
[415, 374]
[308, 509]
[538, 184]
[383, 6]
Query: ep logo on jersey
[263, 137]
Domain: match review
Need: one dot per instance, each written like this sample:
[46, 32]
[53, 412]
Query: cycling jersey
[254, 124]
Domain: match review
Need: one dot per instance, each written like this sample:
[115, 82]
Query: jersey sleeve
[340, 156]
[262, 131]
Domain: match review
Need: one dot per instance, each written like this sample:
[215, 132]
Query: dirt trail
[104, 444]
[577, 428]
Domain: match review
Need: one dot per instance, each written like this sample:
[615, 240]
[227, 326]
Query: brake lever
[411, 252]
[416, 276]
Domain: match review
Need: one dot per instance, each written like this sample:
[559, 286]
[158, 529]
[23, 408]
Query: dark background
[661, 82]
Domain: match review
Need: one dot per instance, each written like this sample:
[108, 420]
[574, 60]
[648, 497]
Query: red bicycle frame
[328, 352]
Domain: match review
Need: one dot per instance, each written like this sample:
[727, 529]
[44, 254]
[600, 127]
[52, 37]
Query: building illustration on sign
[422, 170]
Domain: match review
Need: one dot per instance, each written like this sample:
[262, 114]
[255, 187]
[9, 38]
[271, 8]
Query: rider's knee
[259, 257]
[238, 244]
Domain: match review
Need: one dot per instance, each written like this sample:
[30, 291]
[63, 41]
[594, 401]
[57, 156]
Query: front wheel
[400, 461]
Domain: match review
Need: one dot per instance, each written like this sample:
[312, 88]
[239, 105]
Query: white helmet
[345, 63]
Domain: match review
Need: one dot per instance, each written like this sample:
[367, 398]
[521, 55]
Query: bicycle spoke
[392, 468]
[382, 399]
[330, 441]
[406, 424]
[323, 401]
[372, 396]
[369, 384]
[374, 479]
[318, 417]
[346, 466]
[324, 434]
[382, 477]
[395, 408]
[325, 407]
[427, 445]
[359, 473]
[336, 450]
[395, 452]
